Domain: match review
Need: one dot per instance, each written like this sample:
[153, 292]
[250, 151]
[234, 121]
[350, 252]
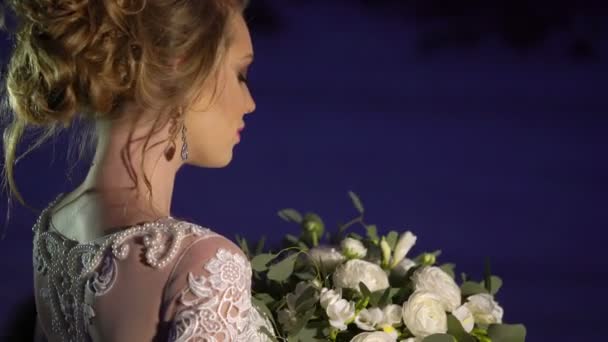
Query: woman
[165, 84]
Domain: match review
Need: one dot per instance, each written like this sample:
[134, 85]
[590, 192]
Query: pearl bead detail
[68, 266]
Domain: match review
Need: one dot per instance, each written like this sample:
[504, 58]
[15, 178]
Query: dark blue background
[482, 149]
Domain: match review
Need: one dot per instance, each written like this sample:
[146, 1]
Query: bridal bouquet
[342, 286]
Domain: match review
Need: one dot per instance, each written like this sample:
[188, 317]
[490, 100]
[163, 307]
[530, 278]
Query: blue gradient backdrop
[481, 151]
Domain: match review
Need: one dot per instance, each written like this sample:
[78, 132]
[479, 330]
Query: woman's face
[212, 128]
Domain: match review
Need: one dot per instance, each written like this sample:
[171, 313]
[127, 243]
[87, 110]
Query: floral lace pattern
[76, 273]
[217, 306]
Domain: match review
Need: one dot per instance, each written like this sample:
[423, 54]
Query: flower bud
[429, 259]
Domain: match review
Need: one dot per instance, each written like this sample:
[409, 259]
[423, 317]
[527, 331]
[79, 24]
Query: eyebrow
[248, 56]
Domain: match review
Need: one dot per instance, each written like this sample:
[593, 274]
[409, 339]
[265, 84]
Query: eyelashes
[243, 79]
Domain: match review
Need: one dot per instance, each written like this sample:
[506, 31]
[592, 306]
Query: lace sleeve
[212, 296]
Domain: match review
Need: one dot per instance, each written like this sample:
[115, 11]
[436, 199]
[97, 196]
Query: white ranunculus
[329, 296]
[340, 312]
[353, 248]
[369, 319]
[484, 308]
[376, 336]
[326, 257]
[411, 339]
[349, 274]
[434, 279]
[464, 315]
[391, 315]
[403, 246]
[424, 314]
[403, 266]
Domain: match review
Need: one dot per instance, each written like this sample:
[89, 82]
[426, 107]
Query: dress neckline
[44, 224]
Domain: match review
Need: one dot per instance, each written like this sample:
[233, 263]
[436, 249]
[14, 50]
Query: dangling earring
[170, 149]
[184, 143]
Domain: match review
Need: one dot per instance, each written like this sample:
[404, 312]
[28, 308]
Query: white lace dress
[168, 280]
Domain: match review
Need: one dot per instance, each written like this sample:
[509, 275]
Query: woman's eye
[243, 78]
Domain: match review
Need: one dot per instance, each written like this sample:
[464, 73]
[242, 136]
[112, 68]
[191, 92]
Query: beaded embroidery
[78, 272]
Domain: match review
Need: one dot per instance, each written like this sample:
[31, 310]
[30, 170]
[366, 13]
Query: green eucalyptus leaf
[290, 214]
[420, 257]
[439, 338]
[282, 269]
[260, 246]
[264, 297]
[463, 277]
[307, 334]
[243, 244]
[302, 320]
[376, 297]
[455, 329]
[268, 333]
[364, 289]
[507, 332]
[372, 232]
[356, 202]
[449, 269]
[259, 262]
[469, 288]
[307, 299]
[292, 238]
[355, 236]
[305, 275]
[392, 238]
[495, 284]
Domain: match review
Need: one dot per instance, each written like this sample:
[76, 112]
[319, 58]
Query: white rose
[369, 319]
[329, 296]
[434, 279]
[391, 315]
[376, 336]
[424, 314]
[349, 274]
[340, 312]
[403, 246]
[353, 248]
[326, 257]
[464, 315]
[403, 266]
[484, 308]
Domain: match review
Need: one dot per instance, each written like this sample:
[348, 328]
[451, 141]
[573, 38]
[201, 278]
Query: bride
[164, 82]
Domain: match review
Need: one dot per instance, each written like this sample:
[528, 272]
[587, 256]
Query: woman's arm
[211, 296]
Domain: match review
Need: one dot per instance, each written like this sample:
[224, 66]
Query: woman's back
[163, 280]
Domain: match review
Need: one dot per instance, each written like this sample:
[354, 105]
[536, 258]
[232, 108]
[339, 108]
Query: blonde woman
[164, 83]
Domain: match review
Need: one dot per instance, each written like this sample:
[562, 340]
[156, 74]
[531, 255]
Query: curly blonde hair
[82, 59]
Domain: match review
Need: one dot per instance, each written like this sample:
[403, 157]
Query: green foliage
[282, 269]
[439, 338]
[449, 269]
[507, 332]
[290, 215]
[356, 202]
[276, 276]
[259, 262]
[455, 329]
[470, 288]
